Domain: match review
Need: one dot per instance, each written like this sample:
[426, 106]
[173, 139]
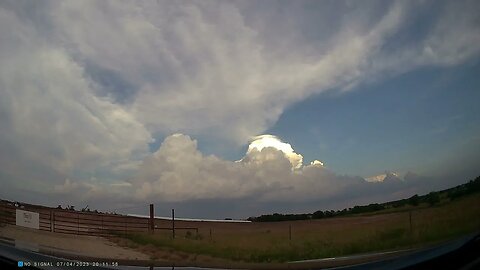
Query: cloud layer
[85, 86]
[178, 171]
[178, 175]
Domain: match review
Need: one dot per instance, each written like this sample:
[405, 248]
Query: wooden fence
[76, 222]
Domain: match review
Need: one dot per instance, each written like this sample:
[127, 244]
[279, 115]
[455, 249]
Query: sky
[236, 108]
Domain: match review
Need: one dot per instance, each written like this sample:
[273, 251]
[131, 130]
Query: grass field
[312, 239]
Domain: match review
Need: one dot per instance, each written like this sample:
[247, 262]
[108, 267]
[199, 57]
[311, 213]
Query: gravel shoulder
[87, 246]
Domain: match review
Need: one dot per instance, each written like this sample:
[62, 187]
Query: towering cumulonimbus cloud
[258, 143]
[269, 171]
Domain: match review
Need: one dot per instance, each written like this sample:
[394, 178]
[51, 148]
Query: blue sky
[121, 103]
[393, 125]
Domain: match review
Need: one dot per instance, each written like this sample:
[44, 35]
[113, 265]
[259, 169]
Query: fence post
[290, 232]
[410, 219]
[151, 220]
[210, 234]
[52, 221]
[173, 223]
[78, 223]
[2, 213]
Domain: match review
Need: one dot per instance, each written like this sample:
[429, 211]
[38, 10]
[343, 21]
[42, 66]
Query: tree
[318, 214]
[414, 200]
[433, 198]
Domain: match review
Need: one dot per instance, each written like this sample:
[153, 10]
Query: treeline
[431, 199]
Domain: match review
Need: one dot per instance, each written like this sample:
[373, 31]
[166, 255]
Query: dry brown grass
[269, 241]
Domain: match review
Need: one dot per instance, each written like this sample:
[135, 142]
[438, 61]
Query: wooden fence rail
[74, 222]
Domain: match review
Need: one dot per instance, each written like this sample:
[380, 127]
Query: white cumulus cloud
[178, 171]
